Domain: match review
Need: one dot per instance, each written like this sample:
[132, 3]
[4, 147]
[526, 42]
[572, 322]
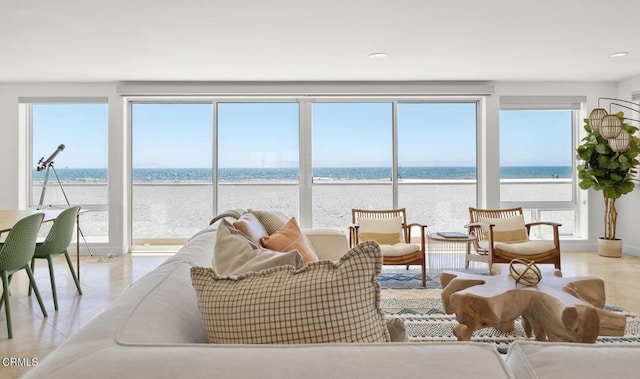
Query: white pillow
[386, 231]
[509, 230]
[235, 254]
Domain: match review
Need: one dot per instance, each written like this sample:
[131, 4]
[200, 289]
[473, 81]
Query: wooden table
[556, 309]
[8, 218]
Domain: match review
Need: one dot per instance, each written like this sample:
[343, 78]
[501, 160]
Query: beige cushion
[288, 238]
[323, 302]
[235, 254]
[398, 249]
[525, 248]
[385, 231]
[249, 224]
[510, 229]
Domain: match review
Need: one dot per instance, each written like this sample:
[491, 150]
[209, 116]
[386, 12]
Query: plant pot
[610, 248]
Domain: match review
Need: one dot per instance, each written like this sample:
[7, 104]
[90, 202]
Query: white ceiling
[322, 40]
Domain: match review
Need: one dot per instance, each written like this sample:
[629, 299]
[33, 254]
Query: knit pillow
[323, 302]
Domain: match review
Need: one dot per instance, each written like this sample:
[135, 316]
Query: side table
[449, 252]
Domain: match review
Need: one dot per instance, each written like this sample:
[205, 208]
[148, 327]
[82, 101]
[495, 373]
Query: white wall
[628, 206]
[10, 152]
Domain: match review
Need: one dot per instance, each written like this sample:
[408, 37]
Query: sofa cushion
[323, 302]
[249, 224]
[289, 237]
[235, 254]
[387, 231]
[557, 360]
[509, 230]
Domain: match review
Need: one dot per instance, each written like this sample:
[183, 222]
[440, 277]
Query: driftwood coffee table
[556, 309]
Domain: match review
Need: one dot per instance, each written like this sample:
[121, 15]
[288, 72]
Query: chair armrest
[353, 235]
[549, 223]
[327, 243]
[479, 224]
[423, 233]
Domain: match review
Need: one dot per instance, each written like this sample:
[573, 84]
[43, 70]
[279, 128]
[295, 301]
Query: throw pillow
[288, 238]
[509, 230]
[386, 231]
[271, 220]
[249, 224]
[323, 302]
[235, 254]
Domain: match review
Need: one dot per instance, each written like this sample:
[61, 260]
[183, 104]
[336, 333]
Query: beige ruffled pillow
[323, 302]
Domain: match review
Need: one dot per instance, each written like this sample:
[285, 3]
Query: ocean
[196, 175]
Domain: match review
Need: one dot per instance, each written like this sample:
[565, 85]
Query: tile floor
[36, 336]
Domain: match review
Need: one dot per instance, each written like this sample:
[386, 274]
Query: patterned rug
[426, 321]
[407, 279]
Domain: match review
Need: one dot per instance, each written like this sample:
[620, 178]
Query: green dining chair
[56, 243]
[15, 254]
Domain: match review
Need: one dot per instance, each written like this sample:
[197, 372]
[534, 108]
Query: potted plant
[604, 169]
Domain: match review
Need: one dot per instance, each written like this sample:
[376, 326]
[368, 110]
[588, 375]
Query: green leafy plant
[601, 168]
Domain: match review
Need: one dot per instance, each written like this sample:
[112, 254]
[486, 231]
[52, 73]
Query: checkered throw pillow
[323, 302]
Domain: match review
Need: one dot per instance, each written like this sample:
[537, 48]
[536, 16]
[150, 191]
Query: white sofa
[155, 330]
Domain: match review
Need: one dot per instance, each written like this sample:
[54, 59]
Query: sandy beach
[179, 210]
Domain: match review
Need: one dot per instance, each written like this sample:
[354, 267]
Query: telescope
[42, 164]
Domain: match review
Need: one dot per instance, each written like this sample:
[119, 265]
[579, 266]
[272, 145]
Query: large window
[78, 174]
[437, 163]
[258, 156]
[352, 160]
[536, 164]
[171, 170]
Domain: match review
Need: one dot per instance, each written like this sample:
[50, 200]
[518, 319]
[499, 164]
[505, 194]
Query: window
[81, 167]
[352, 160]
[536, 164]
[258, 156]
[437, 163]
[171, 171]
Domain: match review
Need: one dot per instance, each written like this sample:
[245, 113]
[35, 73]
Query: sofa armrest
[328, 243]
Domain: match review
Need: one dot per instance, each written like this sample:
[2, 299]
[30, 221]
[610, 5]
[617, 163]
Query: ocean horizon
[196, 175]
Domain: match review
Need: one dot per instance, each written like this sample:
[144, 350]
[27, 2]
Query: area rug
[407, 279]
[426, 321]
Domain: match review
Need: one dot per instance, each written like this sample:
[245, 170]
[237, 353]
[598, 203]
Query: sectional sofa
[155, 329]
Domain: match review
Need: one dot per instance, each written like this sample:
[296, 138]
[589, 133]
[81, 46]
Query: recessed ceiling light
[378, 55]
[619, 54]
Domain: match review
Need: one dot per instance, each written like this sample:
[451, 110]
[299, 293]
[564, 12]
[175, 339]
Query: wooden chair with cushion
[502, 235]
[389, 228]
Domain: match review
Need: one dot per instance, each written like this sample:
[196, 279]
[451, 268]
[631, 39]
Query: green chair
[15, 255]
[56, 243]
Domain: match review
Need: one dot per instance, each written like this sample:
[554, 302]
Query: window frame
[576, 106]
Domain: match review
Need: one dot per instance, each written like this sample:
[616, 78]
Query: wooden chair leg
[73, 272]
[35, 290]
[5, 299]
[424, 273]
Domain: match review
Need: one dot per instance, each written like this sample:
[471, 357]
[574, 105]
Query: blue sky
[266, 135]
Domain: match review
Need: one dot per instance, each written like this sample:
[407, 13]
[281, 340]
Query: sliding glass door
[437, 163]
[258, 156]
[171, 171]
